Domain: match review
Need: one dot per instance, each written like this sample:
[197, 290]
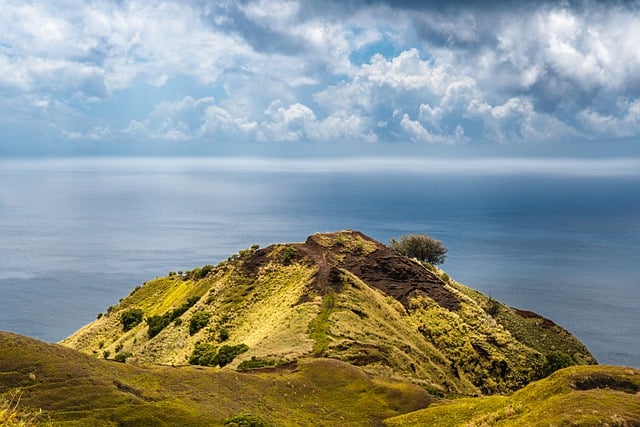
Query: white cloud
[286, 70]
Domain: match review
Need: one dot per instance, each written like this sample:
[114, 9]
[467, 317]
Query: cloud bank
[328, 71]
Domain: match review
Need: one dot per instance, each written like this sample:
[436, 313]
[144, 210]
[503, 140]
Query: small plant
[198, 321]
[11, 415]
[556, 360]
[288, 255]
[223, 335]
[204, 354]
[245, 420]
[99, 316]
[227, 353]
[493, 307]
[157, 324]
[255, 363]
[131, 318]
[106, 354]
[118, 347]
[122, 357]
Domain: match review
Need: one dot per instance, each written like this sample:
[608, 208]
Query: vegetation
[556, 360]
[255, 363]
[580, 395]
[12, 415]
[199, 320]
[421, 247]
[131, 318]
[288, 254]
[204, 354]
[122, 357]
[245, 420]
[158, 323]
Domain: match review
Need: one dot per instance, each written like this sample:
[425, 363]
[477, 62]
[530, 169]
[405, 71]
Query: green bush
[493, 307]
[288, 255]
[245, 420]
[223, 335]
[198, 321]
[204, 354]
[227, 353]
[255, 363]
[157, 324]
[556, 360]
[122, 357]
[420, 246]
[131, 318]
[199, 273]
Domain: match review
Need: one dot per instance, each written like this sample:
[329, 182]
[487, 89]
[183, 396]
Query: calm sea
[561, 238]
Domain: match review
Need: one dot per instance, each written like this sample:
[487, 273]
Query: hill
[75, 389]
[337, 330]
[579, 395]
[339, 295]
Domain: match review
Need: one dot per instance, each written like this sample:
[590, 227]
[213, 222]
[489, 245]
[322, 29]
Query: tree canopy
[420, 246]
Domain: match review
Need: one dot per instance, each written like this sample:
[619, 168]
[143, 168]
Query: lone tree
[420, 246]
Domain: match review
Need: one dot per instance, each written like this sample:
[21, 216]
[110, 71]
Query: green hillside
[337, 330]
[580, 395]
[75, 389]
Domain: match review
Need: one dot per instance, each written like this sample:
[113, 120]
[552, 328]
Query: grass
[78, 390]
[12, 415]
[319, 327]
[579, 395]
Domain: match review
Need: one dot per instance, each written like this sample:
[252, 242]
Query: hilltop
[339, 295]
[336, 330]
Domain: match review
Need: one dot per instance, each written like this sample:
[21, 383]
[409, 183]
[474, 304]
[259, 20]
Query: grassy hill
[337, 330]
[75, 389]
[339, 295]
[579, 395]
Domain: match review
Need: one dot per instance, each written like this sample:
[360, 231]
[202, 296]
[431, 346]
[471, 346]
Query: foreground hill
[74, 389]
[338, 295]
[580, 395]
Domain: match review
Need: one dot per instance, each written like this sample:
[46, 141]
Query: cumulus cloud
[286, 70]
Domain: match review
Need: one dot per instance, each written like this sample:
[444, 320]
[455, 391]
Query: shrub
[122, 357]
[227, 353]
[198, 321]
[118, 347]
[199, 273]
[105, 354]
[493, 307]
[204, 354]
[556, 360]
[223, 335]
[157, 324]
[131, 318]
[420, 246]
[288, 255]
[255, 363]
[245, 420]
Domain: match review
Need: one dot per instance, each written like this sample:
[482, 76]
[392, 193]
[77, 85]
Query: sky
[274, 77]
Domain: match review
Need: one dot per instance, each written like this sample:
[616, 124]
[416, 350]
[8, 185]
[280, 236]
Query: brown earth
[381, 268]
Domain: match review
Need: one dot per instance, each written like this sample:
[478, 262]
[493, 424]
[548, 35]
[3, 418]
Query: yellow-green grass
[291, 301]
[579, 395]
[78, 390]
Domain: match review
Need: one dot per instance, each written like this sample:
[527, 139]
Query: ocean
[558, 237]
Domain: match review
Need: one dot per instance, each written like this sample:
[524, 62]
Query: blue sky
[315, 78]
